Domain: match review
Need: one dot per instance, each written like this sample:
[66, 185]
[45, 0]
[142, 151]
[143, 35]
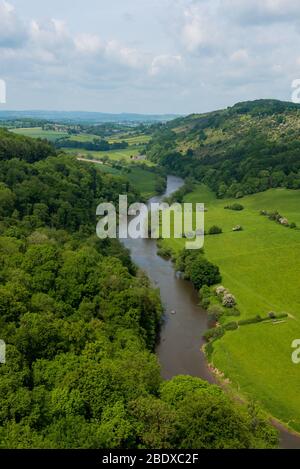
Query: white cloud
[165, 63]
[88, 43]
[12, 30]
[258, 11]
[240, 55]
[199, 29]
[199, 51]
[125, 55]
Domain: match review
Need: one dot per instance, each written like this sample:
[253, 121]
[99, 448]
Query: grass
[116, 155]
[38, 132]
[144, 181]
[84, 138]
[131, 140]
[261, 267]
[52, 135]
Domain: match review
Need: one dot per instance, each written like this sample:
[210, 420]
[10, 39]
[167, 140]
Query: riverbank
[256, 358]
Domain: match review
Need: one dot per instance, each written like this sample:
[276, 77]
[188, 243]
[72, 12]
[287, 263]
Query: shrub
[244, 322]
[214, 333]
[166, 253]
[200, 271]
[235, 206]
[233, 312]
[215, 312]
[231, 326]
[228, 300]
[220, 291]
[204, 296]
[214, 230]
[281, 315]
[209, 350]
[293, 225]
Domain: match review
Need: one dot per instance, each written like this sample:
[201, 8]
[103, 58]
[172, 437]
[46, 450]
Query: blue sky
[147, 56]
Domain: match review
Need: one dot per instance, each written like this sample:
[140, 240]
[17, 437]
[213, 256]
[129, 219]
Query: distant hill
[85, 117]
[240, 150]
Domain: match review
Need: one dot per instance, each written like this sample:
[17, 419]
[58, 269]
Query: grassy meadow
[261, 267]
[143, 180]
[115, 155]
[131, 139]
[38, 132]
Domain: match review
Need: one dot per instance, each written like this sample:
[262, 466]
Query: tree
[213, 230]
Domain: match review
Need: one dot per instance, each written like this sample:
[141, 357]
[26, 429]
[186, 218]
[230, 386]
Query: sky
[147, 56]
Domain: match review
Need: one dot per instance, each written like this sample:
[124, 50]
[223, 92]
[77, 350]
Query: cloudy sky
[147, 56]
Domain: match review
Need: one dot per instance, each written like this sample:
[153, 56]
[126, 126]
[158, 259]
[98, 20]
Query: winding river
[179, 349]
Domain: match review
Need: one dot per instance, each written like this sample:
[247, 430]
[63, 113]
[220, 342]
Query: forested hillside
[81, 324]
[248, 148]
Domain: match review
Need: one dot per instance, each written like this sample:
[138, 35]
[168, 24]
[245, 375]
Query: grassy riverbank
[261, 267]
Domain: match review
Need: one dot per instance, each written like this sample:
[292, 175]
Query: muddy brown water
[184, 321]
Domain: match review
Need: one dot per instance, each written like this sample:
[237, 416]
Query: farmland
[114, 155]
[38, 132]
[261, 267]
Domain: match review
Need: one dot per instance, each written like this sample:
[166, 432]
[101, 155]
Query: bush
[209, 350]
[166, 253]
[235, 206]
[258, 318]
[233, 312]
[231, 326]
[281, 315]
[293, 226]
[229, 300]
[214, 230]
[215, 312]
[214, 333]
[198, 269]
[220, 291]
[204, 296]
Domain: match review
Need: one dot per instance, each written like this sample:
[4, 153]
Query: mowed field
[144, 181]
[261, 267]
[131, 139]
[38, 132]
[125, 155]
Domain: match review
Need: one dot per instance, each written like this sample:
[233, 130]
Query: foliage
[81, 326]
[214, 230]
[241, 150]
[197, 269]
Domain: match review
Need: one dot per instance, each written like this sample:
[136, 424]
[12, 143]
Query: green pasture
[38, 132]
[84, 138]
[261, 267]
[141, 179]
[125, 155]
[130, 139]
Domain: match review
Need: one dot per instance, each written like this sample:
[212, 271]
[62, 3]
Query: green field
[261, 267]
[83, 138]
[144, 181]
[116, 155]
[131, 139]
[38, 132]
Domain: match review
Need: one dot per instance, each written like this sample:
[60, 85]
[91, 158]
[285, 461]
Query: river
[179, 349]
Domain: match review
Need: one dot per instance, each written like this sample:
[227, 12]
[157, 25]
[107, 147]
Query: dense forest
[81, 323]
[248, 148]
